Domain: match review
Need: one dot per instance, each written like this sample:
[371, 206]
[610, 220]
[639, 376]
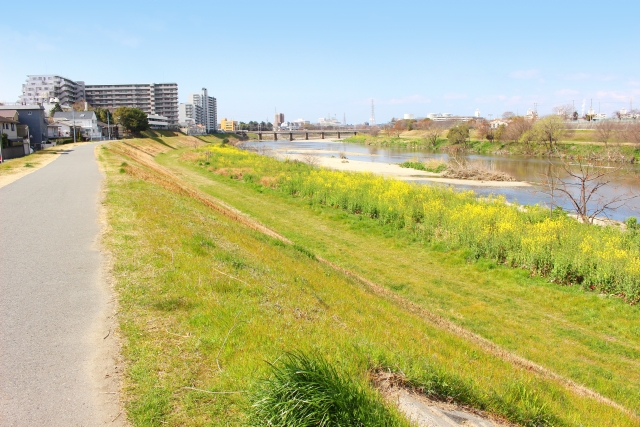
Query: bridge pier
[338, 135]
[321, 135]
[290, 136]
[355, 133]
[275, 136]
[260, 136]
[306, 136]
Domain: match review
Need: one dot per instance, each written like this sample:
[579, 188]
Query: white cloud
[616, 95]
[451, 96]
[525, 74]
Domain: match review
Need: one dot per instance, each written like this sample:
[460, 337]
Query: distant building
[408, 116]
[495, 124]
[157, 121]
[155, 98]
[228, 125]
[278, 120]
[40, 89]
[201, 109]
[448, 117]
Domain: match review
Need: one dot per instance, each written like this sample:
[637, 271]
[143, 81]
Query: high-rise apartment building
[40, 89]
[200, 109]
[155, 98]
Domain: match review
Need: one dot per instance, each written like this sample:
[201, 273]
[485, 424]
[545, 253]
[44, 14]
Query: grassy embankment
[206, 300]
[580, 143]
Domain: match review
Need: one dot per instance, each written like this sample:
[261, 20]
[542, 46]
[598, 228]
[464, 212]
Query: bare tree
[632, 133]
[517, 126]
[432, 135]
[580, 183]
[507, 115]
[605, 131]
[483, 130]
[312, 159]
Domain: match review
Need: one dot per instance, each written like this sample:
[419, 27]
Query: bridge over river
[292, 134]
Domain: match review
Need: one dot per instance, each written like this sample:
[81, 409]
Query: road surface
[56, 368]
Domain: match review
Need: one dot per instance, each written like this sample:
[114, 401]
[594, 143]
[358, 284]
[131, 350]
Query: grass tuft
[306, 390]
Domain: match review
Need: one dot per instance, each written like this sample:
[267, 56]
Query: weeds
[307, 391]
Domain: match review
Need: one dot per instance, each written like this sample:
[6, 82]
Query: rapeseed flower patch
[602, 259]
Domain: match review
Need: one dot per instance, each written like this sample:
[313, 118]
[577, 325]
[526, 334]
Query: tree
[483, 130]
[517, 127]
[132, 119]
[458, 134]
[398, 127]
[605, 131]
[549, 131]
[5, 140]
[499, 134]
[79, 106]
[632, 134]
[56, 109]
[432, 135]
[104, 115]
[507, 115]
[580, 182]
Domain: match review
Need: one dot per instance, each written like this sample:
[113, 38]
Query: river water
[533, 170]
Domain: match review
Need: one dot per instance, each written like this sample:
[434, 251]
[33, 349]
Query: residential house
[17, 141]
[32, 116]
[86, 120]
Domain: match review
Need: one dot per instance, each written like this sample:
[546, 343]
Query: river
[533, 170]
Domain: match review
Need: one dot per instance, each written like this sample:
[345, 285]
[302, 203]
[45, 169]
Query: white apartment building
[155, 98]
[40, 89]
[187, 114]
[200, 109]
[157, 121]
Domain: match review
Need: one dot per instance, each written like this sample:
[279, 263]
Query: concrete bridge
[293, 133]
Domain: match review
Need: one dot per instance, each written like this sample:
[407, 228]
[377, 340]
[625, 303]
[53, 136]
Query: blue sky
[312, 59]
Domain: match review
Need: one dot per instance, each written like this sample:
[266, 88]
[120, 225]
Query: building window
[13, 126]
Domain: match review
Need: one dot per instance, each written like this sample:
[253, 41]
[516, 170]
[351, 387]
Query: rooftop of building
[77, 115]
[21, 107]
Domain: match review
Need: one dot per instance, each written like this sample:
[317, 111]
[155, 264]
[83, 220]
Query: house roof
[77, 115]
[7, 120]
[8, 113]
[21, 107]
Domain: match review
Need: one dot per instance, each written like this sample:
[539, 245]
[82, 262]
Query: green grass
[587, 337]
[205, 303]
[307, 390]
[441, 167]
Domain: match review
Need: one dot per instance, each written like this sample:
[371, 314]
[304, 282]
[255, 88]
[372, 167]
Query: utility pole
[73, 118]
[109, 123]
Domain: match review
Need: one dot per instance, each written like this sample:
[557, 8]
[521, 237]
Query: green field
[207, 299]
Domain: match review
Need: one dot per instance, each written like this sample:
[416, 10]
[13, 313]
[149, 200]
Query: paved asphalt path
[50, 294]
